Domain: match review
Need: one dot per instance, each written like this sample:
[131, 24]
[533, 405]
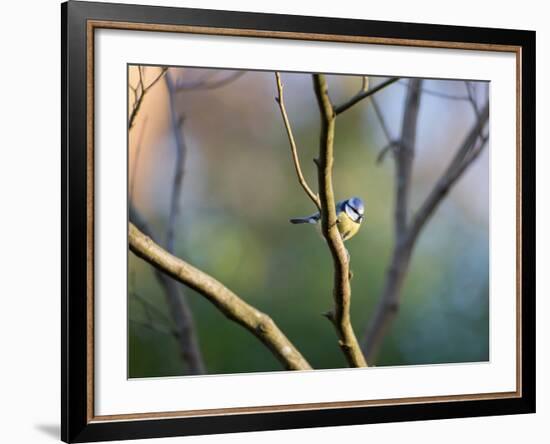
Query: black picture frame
[76, 328]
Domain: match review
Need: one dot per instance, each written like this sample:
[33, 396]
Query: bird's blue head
[355, 209]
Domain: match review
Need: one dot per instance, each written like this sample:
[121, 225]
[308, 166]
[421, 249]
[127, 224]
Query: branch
[340, 316]
[382, 120]
[404, 157]
[258, 323]
[471, 98]
[179, 309]
[389, 302]
[149, 307]
[143, 90]
[280, 100]
[392, 144]
[439, 94]
[363, 95]
[181, 151]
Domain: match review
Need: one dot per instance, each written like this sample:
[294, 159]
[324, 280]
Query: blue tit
[349, 215]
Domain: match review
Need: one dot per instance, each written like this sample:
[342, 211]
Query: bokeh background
[240, 189]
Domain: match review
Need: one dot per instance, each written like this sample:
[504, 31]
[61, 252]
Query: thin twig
[392, 146]
[440, 94]
[473, 102]
[206, 83]
[381, 119]
[391, 142]
[340, 315]
[231, 305]
[280, 100]
[363, 95]
[150, 307]
[471, 98]
[364, 83]
[143, 90]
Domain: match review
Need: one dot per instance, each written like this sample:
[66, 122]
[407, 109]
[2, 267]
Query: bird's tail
[305, 220]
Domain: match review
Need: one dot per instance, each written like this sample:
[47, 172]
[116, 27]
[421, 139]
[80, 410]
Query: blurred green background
[240, 189]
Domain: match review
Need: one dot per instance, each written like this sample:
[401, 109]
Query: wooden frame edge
[95, 24]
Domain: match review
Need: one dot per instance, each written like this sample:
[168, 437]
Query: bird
[349, 215]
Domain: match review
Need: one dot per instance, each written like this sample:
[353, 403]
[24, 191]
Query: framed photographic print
[277, 221]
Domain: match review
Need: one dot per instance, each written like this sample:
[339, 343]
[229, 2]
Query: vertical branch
[184, 330]
[179, 309]
[388, 304]
[340, 316]
[181, 151]
[404, 158]
[175, 297]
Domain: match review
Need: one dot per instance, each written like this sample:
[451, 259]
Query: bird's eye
[356, 215]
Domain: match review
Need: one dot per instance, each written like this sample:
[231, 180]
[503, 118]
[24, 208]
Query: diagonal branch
[280, 100]
[231, 305]
[149, 308]
[363, 95]
[392, 144]
[389, 302]
[439, 94]
[381, 120]
[340, 315]
[463, 158]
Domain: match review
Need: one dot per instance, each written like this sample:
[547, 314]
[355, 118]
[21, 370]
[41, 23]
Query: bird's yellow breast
[346, 226]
